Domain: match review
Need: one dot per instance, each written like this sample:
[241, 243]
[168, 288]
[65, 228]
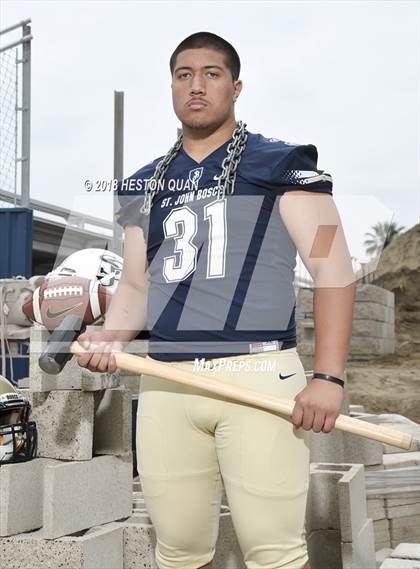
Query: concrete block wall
[373, 331]
[81, 478]
[395, 523]
[393, 487]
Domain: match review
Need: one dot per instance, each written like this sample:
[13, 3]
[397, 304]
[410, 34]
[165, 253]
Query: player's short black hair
[209, 41]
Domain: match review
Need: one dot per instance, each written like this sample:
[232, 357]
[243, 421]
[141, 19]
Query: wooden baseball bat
[138, 365]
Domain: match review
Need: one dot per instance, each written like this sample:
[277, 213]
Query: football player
[212, 229]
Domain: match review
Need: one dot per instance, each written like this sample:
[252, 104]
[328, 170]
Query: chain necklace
[226, 180]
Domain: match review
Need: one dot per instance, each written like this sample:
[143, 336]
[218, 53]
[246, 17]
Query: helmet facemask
[18, 435]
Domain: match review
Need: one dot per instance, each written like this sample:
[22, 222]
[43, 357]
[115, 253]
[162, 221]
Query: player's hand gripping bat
[62, 345]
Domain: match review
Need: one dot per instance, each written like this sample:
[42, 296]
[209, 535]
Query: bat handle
[375, 432]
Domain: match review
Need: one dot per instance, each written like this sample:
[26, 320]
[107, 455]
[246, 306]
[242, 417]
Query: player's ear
[237, 85]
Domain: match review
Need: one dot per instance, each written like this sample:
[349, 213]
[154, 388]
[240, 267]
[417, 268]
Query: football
[58, 297]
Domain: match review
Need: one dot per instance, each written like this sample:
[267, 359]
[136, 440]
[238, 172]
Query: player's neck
[199, 144]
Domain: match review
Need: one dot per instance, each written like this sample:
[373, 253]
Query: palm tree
[383, 233]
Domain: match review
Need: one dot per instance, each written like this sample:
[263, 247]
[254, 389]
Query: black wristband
[327, 377]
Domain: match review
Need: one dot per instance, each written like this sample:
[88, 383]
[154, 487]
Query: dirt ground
[391, 384]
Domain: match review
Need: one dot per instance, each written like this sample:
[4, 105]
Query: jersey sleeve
[131, 200]
[131, 192]
[298, 170]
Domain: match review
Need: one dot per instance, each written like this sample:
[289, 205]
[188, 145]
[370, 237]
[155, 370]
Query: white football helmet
[94, 264]
[18, 435]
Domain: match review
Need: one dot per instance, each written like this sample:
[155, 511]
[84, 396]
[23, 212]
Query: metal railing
[69, 217]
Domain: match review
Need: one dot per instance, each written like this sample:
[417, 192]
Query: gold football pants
[190, 442]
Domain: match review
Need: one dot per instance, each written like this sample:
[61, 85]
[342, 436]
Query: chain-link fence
[15, 115]
[8, 119]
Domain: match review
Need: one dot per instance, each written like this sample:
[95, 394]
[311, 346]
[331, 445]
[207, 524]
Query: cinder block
[361, 551]
[382, 554]
[21, 495]
[65, 424]
[375, 508]
[356, 409]
[411, 534]
[381, 539]
[396, 543]
[373, 311]
[305, 300]
[337, 499]
[400, 511]
[305, 348]
[380, 545]
[400, 459]
[407, 551]
[79, 495]
[352, 505]
[373, 293]
[131, 382]
[139, 539]
[326, 447]
[371, 346]
[324, 549]
[393, 563]
[401, 501]
[373, 329]
[404, 521]
[112, 424]
[380, 525]
[341, 447]
[361, 450]
[102, 549]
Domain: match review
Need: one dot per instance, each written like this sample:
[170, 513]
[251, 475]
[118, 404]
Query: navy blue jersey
[221, 270]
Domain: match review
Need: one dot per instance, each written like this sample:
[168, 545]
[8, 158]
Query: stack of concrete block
[392, 477]
[81, 478]
[339, 532]
[373, 331]
[393, 487]
[404, 556]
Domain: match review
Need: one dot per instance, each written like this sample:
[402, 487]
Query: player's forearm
[333, 315]
[127, 313]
